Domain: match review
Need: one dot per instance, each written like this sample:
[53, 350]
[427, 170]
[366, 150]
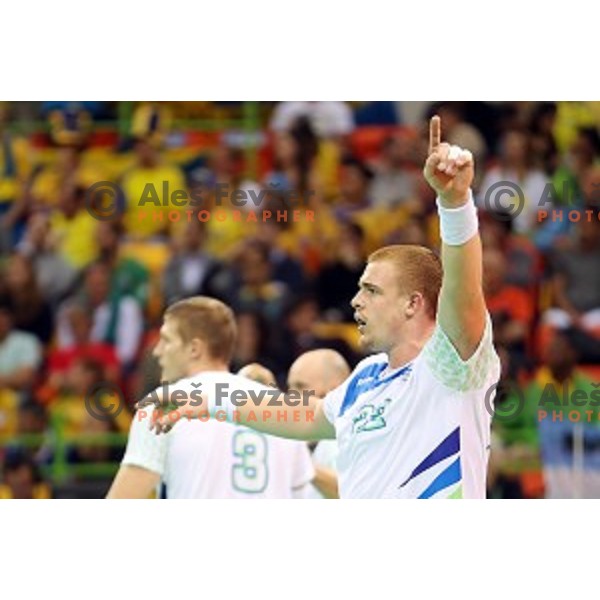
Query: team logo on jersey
[370, 417]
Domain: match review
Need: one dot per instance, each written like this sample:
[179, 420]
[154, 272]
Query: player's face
[170, 352]
[378, 307]
[305, 377]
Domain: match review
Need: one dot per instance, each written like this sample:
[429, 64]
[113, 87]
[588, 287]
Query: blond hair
[418, 269]
[207, 319]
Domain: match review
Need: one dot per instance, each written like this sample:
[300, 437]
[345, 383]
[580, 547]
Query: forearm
[326, 482]
[133, 483]
[275, 416]
[260, 407]
[462, 305]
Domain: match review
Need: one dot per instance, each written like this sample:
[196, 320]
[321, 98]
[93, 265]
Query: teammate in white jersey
[411, 420]
[207, 460]
[321, 371]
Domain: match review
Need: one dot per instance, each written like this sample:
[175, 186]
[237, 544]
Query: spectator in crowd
[299, 335]
[15, 162]
[20, 353]
[396, 173]
[355, 180]
[84, 377]
[332, 123]
[294, 158]
[69, 168]
[552, 388]
[145, 185]
[21, 479]
[33, 419]
[191, 270]
[510, 307]
[575, 284]
[95, 451]
[60, 360]
[337, 281]
[20, 359]
[254, 342]
[117, 321]
[74, 228]
[30, 311]
[543, 142]
[582, 158]
[128, 276]
[328, 119]
[515, 166]
[523, 260]
[257, 289]
[275, 235]
[56, 277]
[215, 185]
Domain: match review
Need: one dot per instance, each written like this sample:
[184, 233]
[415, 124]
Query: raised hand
[449, 169]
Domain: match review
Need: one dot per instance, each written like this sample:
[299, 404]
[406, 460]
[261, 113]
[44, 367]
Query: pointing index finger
[435, 133]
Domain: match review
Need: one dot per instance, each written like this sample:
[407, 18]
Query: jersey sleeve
[333, 402]
[451, 370]
[144, 448]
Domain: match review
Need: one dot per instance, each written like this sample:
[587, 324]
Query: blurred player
[259, 374]
[207, 460]
[411, 420]
[326, 369]
[321, 371]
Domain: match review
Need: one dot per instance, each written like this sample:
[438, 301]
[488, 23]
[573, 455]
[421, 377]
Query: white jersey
[209, 459]
[419, 431]
[324, 455]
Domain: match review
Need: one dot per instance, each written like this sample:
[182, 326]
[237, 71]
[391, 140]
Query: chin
[366, 344]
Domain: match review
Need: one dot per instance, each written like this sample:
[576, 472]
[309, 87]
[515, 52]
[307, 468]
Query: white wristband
[458, 225]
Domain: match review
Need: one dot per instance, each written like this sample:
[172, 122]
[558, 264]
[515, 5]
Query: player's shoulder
[442, 359]
[212, 378]
[372, 361]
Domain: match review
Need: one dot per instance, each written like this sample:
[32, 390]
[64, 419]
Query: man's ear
[197, 349]
[414, 303]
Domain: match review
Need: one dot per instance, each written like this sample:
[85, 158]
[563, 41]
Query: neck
[203, 366]
[410, 348]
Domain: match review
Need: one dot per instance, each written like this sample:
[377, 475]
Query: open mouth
[360, 322]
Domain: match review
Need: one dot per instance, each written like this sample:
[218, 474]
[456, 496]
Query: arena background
[86, 270]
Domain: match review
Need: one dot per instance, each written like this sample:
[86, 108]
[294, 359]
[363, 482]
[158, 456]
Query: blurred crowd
[82, 293]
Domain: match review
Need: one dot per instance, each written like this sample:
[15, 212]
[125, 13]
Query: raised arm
[461, 311]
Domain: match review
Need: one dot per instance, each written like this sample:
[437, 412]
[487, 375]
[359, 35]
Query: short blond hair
[209, 320]
[418, 269]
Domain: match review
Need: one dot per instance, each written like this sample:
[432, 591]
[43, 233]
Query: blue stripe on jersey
[370, 374]
[448, 447]
[447, 477]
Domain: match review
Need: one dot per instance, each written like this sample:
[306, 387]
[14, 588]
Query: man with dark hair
[21, 479]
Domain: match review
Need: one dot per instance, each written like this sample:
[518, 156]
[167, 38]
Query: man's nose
[355, 302]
